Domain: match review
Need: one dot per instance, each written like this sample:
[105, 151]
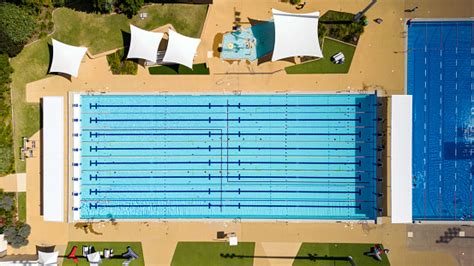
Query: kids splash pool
[246, 156]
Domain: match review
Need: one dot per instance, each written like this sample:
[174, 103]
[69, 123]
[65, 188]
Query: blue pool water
[440, 78]
[249, 43]
[249, 157]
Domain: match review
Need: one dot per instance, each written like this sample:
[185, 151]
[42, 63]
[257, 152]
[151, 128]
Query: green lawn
[118, 247]
[21, 197]
[356, 251]
[100, 33]
[324, 65]
[198, 69]
[209, 254]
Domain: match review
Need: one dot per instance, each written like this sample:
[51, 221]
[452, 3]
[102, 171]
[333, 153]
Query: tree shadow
[81, 5]
[126, 38]
[311, 257]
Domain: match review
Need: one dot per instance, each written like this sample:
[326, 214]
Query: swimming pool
[233, 156]
[440, 71]
[249, 43]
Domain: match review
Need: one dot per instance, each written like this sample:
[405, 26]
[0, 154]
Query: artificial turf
[198, 69]
[21, 198]
[324, 65]
[213, 253]
[118, 247]
[335, 254]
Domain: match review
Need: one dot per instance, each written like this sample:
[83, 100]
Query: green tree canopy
[130, 7]
[16, 27]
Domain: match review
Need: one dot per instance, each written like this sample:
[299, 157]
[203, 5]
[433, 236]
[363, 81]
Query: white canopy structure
[181, 49]
[295, 35]
[66, 58]
[144, 44]
[53, 158]
[48, 258]
[401, 159]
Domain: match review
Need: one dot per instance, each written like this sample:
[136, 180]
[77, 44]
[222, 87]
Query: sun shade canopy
[144, 44]
[181, 49]
[296, 35]
[66, 58]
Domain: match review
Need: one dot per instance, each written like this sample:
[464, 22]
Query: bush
[295, 2]
[121, 66]
[130, 7]
[6, 146]
[103, 6]
[16, 27]
[17, 235]
[198, 69]
[58, 3]
[339, 25]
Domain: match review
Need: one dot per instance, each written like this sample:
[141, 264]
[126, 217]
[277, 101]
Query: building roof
[401, 159]
[53, 158]
[66, 58]
[296, 35]
[144, 44]
[181, 49]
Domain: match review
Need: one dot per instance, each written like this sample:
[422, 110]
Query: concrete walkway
[13, 182]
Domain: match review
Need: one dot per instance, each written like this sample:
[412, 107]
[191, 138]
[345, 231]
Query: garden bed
[198, 69]
[339, 26]
[119, 65]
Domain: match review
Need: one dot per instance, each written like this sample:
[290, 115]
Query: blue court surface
[248, 157]
[440, 71]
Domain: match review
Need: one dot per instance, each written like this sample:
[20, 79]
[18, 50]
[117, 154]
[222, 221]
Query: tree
[130, 7]
[5, 71]
[17, 235]
[16, 27]
[103, 6]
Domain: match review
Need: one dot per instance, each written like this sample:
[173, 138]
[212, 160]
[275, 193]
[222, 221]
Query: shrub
[295, 2]
[103, 6]
[198, 69]
[17, 235]
[6, 148]
[119, 65]
[340, 26]
[130, 7]
[7, 203]
[16, 27]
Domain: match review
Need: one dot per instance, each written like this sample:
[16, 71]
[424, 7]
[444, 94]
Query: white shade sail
[295, 35]
[66, 58]
[181, 49]
[144, 44]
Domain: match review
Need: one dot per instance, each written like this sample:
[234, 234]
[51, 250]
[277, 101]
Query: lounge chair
[72, 255]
